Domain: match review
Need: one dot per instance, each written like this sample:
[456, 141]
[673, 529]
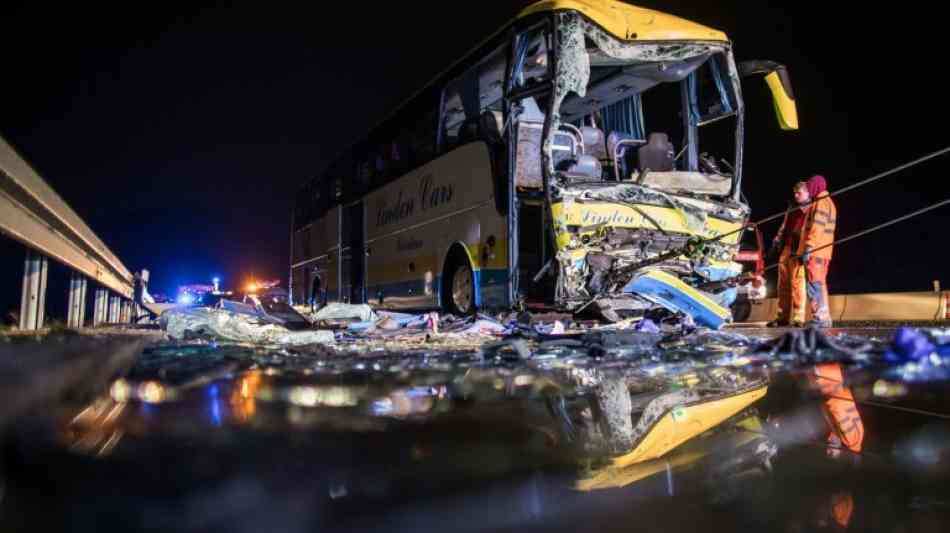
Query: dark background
[180, 135]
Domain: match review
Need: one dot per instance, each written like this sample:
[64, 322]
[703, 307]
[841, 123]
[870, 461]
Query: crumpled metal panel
[572, 74]
[528, 170]
[236, 327]
[342, 311]
[677, 51]
[573, 65]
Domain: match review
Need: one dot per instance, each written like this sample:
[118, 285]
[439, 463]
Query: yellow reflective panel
[785, 108]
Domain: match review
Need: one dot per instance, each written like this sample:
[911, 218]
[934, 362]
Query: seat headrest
[657, 154]
[586, 166]
[468, 131]
[594, 142]
[491, 126]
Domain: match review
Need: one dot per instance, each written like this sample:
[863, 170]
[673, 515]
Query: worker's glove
[806, 256]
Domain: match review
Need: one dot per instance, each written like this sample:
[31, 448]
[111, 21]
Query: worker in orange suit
[791, 296]
[841, 411]
[815, 249]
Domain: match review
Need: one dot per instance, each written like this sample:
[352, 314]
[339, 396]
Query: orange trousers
[816, 273]
[839, 407]
[791, 288]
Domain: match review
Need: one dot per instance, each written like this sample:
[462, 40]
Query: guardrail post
[113, 313]
[77, 300]
[104, 307]
[97, 309]
[83, 285]
[33, 298]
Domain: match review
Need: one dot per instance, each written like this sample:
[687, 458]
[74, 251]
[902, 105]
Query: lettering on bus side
[396, 211]
[432, 195]
[591, 218]
[410, 243]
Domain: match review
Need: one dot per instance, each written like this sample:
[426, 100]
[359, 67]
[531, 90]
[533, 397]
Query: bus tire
[458, 291]
[741, 309]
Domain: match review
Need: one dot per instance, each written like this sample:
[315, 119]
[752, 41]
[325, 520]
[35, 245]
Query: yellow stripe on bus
[592, 214]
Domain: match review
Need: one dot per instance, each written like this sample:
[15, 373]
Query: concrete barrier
[928, 305]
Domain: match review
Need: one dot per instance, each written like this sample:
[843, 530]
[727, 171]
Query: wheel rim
[462, 289]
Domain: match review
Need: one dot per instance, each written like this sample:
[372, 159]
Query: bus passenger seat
[585, 166]
[468, 131]
[490, 127]
[625, 153]
[594, 142]
[657, 154]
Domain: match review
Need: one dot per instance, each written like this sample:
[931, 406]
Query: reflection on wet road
[608, 431]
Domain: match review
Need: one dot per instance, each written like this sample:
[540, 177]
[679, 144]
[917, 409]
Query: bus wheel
[741, 309]
[460, 297]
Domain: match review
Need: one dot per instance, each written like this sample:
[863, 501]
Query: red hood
[816, 185]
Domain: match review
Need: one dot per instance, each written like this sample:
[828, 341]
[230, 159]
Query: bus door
[353, 259]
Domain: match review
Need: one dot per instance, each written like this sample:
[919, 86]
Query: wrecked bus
[589, 154]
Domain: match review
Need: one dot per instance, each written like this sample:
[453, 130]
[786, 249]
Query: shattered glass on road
[486, 424]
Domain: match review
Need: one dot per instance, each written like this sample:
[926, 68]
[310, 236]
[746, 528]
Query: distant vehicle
[275, 302]
[751, 286]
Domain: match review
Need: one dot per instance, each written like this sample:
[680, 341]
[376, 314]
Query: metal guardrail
[32, 213]
[885, 306]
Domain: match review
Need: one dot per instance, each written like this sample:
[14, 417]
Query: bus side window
[452, 117]
[421, 136]
[466, 98]
[363, 174]
[532, 64]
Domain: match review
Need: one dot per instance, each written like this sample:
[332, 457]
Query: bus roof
[620, 19]
[629, 22]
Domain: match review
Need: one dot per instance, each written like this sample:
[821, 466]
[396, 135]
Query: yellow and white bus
[582, 139]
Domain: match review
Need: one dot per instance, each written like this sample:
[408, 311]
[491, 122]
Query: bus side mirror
[776, 77]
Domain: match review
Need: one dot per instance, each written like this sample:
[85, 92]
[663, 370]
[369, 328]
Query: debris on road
[236, 326]
[342, 311]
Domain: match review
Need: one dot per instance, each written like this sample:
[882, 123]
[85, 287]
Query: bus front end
[641, 158]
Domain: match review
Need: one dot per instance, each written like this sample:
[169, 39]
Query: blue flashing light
[186, 298]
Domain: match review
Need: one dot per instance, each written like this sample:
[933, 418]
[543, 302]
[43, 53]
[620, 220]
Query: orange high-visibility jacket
[819, 229]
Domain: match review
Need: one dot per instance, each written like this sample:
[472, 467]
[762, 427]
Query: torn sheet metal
[668, 291]
[182, 323]
[342, 311]
[603, 230]
[574, 62]
[571, 75]
[610, 48]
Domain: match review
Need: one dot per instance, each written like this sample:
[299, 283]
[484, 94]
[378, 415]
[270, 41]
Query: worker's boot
[777, 323]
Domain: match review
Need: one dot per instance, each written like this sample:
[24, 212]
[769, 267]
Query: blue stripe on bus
[478, 287]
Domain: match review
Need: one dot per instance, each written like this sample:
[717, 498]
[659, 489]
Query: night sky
[180, 136]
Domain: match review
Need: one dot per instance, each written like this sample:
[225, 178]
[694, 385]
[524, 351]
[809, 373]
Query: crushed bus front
[604, 232]
[641, 167]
